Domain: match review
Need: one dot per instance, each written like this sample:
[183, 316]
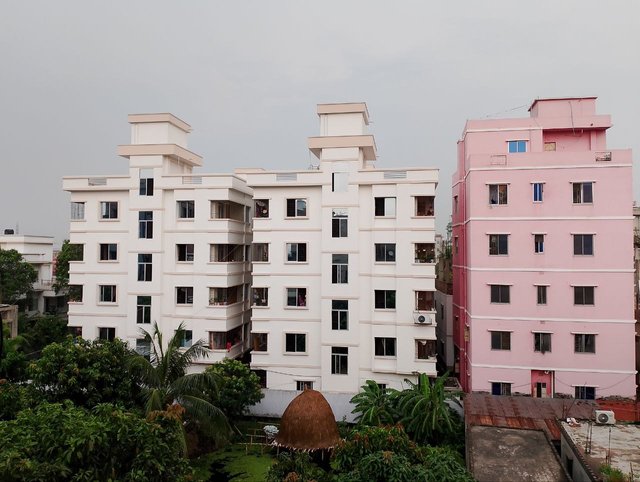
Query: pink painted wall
[483, 159]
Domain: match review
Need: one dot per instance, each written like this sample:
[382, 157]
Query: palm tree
[424, 411]
[374, 405]
[165, 381]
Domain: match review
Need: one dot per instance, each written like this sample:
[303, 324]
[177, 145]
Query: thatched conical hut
[308, 424]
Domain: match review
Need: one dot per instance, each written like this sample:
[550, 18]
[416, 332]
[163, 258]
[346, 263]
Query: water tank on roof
[9, 231]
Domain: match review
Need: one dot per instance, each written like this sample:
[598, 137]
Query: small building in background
[9, 317]
[38, 252]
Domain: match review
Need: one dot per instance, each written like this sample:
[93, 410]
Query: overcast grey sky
[247, 75]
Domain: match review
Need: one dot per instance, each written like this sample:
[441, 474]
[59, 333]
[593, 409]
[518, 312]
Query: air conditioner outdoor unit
[605, 417]
[422, 318]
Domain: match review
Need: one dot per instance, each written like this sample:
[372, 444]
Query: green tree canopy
[16, 276]
[55, 442]
[374, 405]
[86, 372]
[238, 389]
[165, 380]
[41, 330]
[68, 252]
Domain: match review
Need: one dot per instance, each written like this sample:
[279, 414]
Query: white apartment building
[343, 265]
[38, 252]
[162, 244]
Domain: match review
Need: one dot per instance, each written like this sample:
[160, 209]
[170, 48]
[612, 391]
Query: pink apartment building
[543, 255]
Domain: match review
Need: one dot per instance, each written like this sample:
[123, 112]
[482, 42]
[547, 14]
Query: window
[184, 252]
[302, 385]
[455, 204]
[538, 189]
[425, 301]
[339, 268]
[75, 294]
[542, 342]
[295, 343]
[260, 297]
[297, 297]
[386, 253]
[425, 349]
[498, 194]
[296, 252]
[107, 293]
[586, 393]
[296, 208]
[260, 252]
[583, 295]
[424, 206]
[261, 208]
[109, 210]
[145, 224]
[186, 209]
[549, 146]
[339, 181]
[385, 299]
[583, 244]
[218, 340]
[259, 341]
[227, 253]
[108, 252]
[339, 360]
[107, 334]
[75, 331]
[146, 182]
[184, 295]
[498, 244]
[501, 340]
[582, 192]
[517, 146]
[143, 347]
[339, 222]
[186, 339]
[77, 211]
[538, 243]
[144, 267]
[339, 314]
[385, 207]
[226, 296]
[541, 295]
[227, 210]
[501, 388]
[584, 343]
[500, 293]
[143, 311]
[425, 253]
[385, 346]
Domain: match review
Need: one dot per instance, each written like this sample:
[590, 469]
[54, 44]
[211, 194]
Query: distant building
[9, 317]
[162, 244]
[38, 252]
[542, 255]
[444, 306]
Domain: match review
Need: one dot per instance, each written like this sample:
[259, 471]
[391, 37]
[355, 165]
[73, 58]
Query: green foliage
[68, 252]
[384, 466]
[374, 405]
[85, 372]
[16, 276]
[42, 330]
[387, 453]
[165, 380]
[444, 464]
[295, 467]
[13, 362]
[238, 388]
[612, 474]
[423, 411]
[60, 442]
[15, 397]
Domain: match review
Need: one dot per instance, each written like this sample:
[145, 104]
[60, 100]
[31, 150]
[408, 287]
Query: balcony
[43, 285]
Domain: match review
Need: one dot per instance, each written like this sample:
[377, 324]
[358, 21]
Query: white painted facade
[38, 252]
[344, 183]
[192, 217]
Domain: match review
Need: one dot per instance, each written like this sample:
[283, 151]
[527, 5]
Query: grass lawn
[232, 464]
